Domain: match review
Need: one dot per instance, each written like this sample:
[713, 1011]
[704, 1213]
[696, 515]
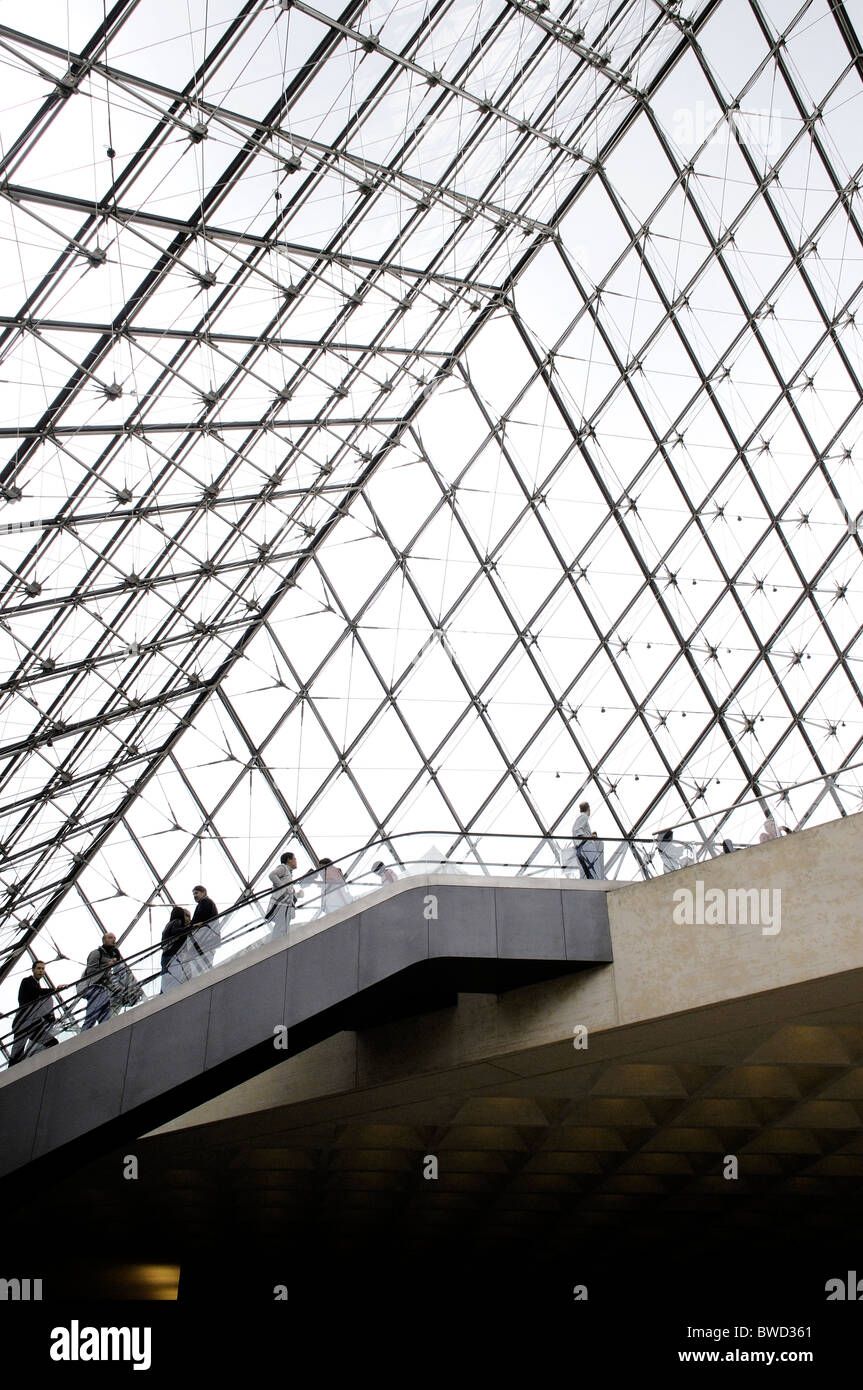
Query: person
[593, 851]
[769, 832]
[565, 855]
[334, 889]
[283, 903]
[672, 856]
[727, 846]
[122, 987]
[204, 934]
[174, 937]
[384, 874]
[94, 985]
[580, 833]
[786, 830]
[34, 1023]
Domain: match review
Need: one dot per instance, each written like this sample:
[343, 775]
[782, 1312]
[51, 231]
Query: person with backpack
[95, 984]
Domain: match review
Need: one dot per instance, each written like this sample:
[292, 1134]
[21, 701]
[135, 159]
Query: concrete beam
[403, 950]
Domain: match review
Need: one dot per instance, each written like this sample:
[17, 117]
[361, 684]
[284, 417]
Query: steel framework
[414, 413]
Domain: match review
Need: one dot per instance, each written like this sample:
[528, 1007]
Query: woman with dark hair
[174, 938]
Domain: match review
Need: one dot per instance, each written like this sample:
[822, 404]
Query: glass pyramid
[419, 417]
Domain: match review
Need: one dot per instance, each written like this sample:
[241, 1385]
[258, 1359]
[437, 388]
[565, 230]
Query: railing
[246, 926]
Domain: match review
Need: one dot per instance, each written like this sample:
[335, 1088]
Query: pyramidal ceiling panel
[419, 417]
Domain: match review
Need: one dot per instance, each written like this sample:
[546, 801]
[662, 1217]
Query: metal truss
[415, 412]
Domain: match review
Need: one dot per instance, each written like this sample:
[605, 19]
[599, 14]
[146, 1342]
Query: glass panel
[413, 427]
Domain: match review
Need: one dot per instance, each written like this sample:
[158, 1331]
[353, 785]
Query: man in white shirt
[283, 903]
[673, 856]
[580, 833]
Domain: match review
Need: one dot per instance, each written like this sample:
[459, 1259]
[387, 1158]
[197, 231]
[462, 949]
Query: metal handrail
[73, 1008]
[646, 848]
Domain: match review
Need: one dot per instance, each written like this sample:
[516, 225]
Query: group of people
[282, 907]
[190, 940]
[334, 890]
[676, 856]
[588, 850]
[107, 985]
[189, 943]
